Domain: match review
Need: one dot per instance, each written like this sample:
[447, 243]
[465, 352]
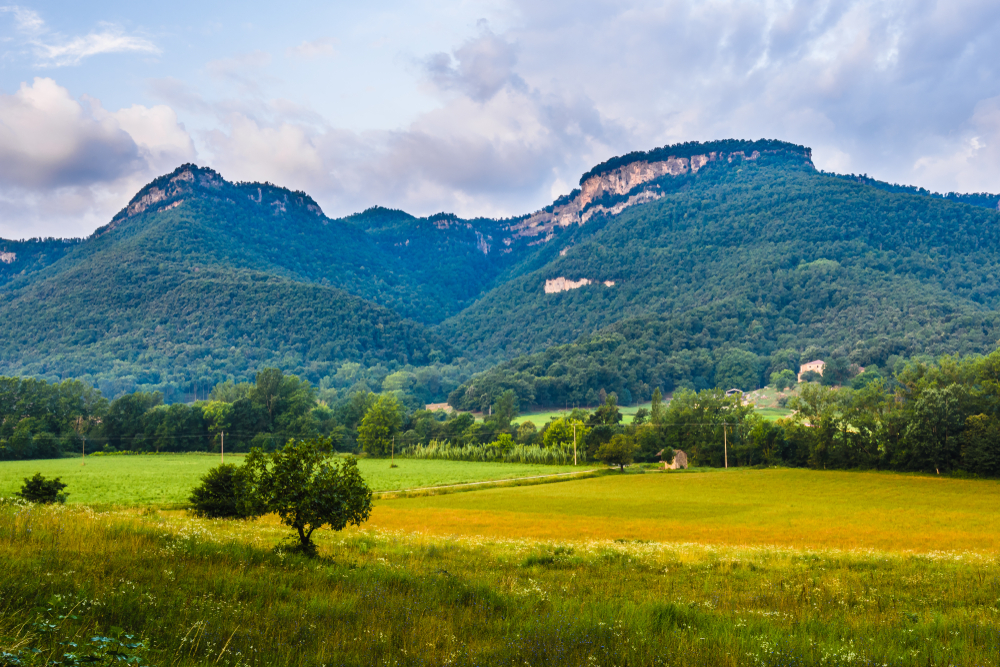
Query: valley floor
[771, 567]
[167, 479]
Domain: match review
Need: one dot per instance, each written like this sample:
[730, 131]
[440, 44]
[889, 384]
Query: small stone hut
[680, 460]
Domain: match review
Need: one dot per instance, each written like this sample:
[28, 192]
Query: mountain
[198, 279]
[665, 268]
[820, 251]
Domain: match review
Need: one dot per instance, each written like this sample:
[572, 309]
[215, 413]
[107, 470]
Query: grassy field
[787, 507]
[168, 479]
[196, 592]
[771, 567]
[541, 418]
[774, 414]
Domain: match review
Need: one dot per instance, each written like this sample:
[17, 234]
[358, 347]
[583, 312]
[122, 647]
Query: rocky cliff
[620, 177]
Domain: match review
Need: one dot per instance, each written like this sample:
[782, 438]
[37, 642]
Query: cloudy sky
[480, 108]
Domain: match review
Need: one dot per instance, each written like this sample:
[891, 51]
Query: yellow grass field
[786, 507]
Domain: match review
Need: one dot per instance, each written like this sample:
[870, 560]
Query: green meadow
[539, 419]
[781, 567]
[167, 479]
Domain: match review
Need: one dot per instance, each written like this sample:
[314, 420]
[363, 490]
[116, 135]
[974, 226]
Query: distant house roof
[734, 390]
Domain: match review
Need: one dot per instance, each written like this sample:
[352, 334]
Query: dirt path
[488, 481]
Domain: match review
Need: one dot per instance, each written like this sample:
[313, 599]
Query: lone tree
[307, 488]
[619, 451]
[40, 490]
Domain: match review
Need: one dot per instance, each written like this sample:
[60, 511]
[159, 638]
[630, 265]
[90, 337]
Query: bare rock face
[563, 284]
[8, 257]
[619, 182]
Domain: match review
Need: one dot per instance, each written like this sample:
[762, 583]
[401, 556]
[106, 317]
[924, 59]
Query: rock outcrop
[621, 181]
[189, 181]
[562, 284]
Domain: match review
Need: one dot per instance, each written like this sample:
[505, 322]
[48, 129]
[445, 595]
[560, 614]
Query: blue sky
[480, 108]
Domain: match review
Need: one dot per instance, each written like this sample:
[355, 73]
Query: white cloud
[285, 154]
[318, 48]
[71, 52]
[48, 139]
[245, 70]
[162, 140]
[55, 50]
[67, 166]
[480, 68]
[27, 21]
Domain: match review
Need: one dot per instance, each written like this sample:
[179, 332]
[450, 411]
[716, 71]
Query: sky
[477, 108]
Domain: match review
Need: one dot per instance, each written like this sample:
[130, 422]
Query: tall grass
[197, 592]
[444, 450]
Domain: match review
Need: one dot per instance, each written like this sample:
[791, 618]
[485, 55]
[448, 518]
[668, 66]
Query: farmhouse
[814, 366]
[680, 460]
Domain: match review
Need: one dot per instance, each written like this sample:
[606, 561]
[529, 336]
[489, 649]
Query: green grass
[539, 419]
[168, 479]
[772, 567]
[774, 414]
[199, 592]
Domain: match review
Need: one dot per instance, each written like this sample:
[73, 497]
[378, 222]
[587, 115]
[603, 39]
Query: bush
[220, 494]
[41, 490]
[783, 379]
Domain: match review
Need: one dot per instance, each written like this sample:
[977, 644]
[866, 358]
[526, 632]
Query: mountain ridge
[648, 237]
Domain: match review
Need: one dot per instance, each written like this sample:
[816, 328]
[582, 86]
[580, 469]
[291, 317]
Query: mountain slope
[822, 253]
[659, 270]
[196, 281]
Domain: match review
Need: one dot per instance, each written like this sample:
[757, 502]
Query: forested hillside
[760, 258]
[199, 280]
[22, 258]
[696, 265]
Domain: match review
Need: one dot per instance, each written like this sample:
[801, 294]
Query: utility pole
[83, 455]
[222, 447]
[392, 458]
[574, 443]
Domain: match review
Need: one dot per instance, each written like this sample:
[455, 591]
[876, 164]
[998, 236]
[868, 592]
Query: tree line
[939, 415]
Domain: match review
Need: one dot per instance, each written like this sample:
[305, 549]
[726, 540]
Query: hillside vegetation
[199, 280]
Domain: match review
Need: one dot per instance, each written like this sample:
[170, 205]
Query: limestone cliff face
[621, 181]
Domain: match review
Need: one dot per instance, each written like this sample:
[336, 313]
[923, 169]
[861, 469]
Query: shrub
[41, 490]
[220, 494]
[783, 379]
